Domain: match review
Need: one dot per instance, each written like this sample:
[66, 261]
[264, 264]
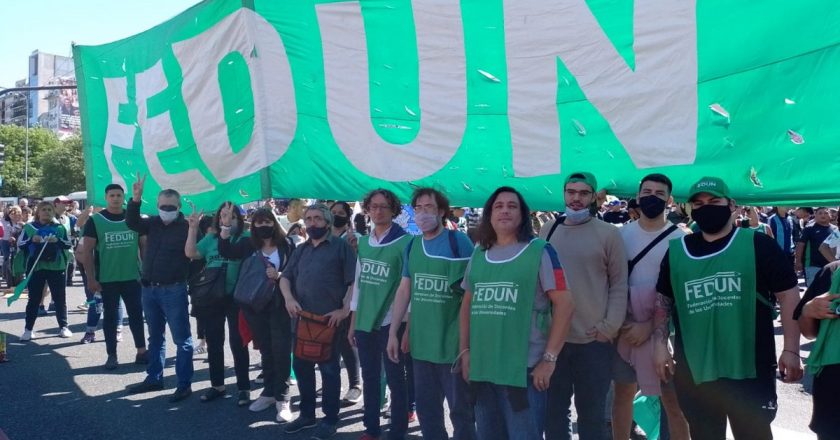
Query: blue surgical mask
[576, 217]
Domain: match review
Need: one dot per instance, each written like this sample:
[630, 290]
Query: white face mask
[168, 216]
[427, 222]
[576, 217]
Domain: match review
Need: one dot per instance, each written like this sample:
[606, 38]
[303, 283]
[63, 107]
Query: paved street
[56, 388]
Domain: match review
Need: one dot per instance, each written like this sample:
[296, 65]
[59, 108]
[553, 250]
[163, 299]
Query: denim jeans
[496, 419]
[115, 298]
[55, 279]
[582, 370]
[372, 352]
[811, 273]
[214, 317]
[272, 331]
[433, 382]
[331, 386]
[168, 305]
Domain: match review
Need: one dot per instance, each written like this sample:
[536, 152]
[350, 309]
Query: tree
[13, 170]
[63, 168]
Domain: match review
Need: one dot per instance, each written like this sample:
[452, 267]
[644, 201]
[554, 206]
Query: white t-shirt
[646, 271]
[833, 241]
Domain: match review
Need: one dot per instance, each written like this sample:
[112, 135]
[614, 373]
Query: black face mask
[340, 221]
[264, 231]
[711, 218]
[652, 206]
[168, 208]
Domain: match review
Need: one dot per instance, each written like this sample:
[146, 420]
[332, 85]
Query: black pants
[129, 291]
[55, 279]
[272, 331]
[349, 354]
[826, 419]
[214, 318]
[749, 404]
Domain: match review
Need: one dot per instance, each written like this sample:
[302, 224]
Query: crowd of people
[503, 313]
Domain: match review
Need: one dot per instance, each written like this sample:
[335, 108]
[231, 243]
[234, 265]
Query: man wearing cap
[595, 264]
[720, 295]
[615, 214]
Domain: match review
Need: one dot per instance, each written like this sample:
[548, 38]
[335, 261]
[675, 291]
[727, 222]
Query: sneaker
[300, 424]
[144, 387]
[292, 381]
[323, 432]
[111, 363]
[89, 337]
[42, 311]
[142, 358]
[244, 398]
[259, 380]
[65, 332]
[353, 396]
[180, 394]
[26, 336]
[262, 403]
[119, 336]
[82, 306]
[201, 348]
[284, 412]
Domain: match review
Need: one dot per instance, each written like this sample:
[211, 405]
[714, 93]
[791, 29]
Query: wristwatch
[549, 357]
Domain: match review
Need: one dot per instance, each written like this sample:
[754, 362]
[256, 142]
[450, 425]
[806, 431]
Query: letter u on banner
[275, 109]
[443, 99]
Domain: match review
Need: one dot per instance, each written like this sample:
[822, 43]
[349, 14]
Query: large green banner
[243, 99]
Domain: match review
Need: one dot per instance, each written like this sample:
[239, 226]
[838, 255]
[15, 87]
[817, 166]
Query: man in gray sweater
[595, 264]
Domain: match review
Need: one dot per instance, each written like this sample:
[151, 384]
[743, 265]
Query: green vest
[435, 304]
[378, 280]
[501, 312]
[826, 349]
[209, 249]
[116, 251]
[715, 299]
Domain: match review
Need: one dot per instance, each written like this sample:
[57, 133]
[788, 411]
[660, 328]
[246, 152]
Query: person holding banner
[514, 320]
[44, 244]
[718, 286]
[318, 282]
[377, 279]
[432, 272]
[213, 313]
[110, 259]
[164, 288]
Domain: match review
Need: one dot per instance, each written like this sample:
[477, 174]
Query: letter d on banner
[275, 109]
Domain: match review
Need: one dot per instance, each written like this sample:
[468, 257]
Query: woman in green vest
[514, 319]
[48, 239]
[214, 315]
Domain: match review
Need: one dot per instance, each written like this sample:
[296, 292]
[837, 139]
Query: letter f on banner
[652, 110]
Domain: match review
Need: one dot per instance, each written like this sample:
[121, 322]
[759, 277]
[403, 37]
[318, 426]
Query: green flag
[329, 99]
[22, 285]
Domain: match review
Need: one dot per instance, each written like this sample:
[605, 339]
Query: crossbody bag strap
[647, 249]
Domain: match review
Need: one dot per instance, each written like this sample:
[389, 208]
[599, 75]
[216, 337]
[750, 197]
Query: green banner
[241, 100]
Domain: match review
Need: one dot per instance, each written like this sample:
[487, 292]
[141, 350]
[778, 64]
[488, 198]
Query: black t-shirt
[813, 236]
[616, 217]
[90, 226]
[773, 273]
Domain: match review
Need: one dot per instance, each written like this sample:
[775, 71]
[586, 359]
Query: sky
[51, 25]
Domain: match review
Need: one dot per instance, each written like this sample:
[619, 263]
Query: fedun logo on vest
[119, 239]
[497, 298]
[707, 293]
[374, 272]
[431, 288]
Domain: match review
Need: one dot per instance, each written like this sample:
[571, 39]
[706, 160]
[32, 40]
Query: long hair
[237, 214]
[441, 200]
[279, 238]
[390, 197]
[486, 233]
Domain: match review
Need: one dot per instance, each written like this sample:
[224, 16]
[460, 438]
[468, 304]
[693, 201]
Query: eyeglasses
[582, 193]
[378, 207]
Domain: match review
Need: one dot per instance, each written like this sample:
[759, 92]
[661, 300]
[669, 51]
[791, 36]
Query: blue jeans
[496, 418]
[582, 370]
[168, 305]
[811, 273]
[433, 382]
[331, 386]
[372, 351]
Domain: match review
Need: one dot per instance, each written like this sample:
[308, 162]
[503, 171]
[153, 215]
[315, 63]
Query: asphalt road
[56, 389]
